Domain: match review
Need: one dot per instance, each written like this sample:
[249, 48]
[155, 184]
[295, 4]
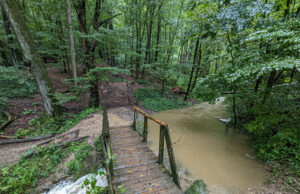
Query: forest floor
[118, 96]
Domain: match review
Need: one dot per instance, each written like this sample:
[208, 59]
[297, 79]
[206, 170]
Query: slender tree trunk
[31, 55]
[149, 35]
[72, 47]
[234, 87]
[193, 69]
[198, 68]
[61, 38]
[157, 39]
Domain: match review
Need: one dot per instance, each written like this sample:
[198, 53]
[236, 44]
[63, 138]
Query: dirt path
[90, 126]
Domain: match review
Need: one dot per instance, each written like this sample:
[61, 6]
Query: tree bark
[198, 68]
[71, 38]
[31, 55]
[193, 68]
[80, 8]
[149, 35]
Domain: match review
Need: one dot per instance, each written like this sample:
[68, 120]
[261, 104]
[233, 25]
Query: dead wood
[10, 141]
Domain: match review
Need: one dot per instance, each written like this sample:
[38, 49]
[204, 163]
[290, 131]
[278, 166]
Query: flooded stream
[203, 151]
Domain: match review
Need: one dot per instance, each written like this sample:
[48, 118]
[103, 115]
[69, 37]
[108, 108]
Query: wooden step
[135, 167]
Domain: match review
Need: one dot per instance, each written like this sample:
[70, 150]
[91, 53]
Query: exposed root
[7, 122]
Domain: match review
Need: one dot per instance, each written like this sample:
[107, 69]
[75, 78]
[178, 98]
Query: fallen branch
[76, 132]
[60, 145]
[7, 122]
[10, 141]
[7, 137]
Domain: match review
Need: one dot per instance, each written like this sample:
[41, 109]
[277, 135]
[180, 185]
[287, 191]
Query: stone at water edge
[198, 187]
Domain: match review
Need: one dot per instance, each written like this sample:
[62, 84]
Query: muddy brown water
[203, 151]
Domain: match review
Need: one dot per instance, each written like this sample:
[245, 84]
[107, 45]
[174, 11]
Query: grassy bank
[152, 99]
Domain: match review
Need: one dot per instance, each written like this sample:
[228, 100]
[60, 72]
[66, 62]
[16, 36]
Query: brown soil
[111, 95]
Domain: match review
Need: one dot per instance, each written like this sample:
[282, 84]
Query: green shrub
[160, 104]
[275, 137]
[144, 93]
[47, 125]
[151, 99]
[82, 154]
[16, 83]
[24, 176]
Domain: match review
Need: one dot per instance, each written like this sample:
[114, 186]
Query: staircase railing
[163, 135]
[107, 154]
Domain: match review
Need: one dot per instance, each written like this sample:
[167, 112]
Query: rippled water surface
[202, 150]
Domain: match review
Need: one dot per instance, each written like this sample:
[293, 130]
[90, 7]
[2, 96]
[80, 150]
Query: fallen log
[60, 145]
[10, 141]
[7, 122]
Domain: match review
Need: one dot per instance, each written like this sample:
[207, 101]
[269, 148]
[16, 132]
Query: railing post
[145, 132]
[161, 145]
[171, 157]
[134, 119]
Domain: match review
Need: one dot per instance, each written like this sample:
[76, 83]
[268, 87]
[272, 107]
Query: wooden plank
[150, 117]
[171, 157]
[161, 145]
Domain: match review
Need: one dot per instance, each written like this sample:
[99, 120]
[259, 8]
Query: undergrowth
[24, 176]
[47, 125]
[76, 167]
[152, 99]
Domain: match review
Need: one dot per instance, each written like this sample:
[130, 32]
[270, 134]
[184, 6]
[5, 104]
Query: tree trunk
[193, 68]
[31, 55]
[80, 8]
[72, 47]
[149, 35]
[198, 68]
[96, 25]
[157, 39]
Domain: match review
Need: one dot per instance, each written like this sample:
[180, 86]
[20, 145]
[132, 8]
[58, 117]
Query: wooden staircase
[133, 166]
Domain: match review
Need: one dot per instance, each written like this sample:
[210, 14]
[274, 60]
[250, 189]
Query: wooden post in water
[171, 157]
[134, 119]
[145, 133]
[161, 144]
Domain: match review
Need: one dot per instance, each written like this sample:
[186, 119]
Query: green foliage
[4, 104]
[2, 118]
[21, 133]
[23, 176]
[63, 98]
[76, 167]
[151, 99]
[41, 125]
[90, 184]
[28, 112]
[16, 83]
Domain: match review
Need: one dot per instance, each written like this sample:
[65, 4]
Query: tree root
[7, 122]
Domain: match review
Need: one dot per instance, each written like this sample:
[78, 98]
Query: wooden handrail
[107, 154]
[164, 135]
[149, 117]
